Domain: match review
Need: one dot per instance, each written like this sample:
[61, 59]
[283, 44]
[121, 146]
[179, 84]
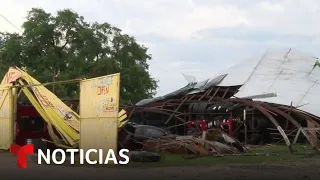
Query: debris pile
[63, 123]
[260, 101]
[189, 145]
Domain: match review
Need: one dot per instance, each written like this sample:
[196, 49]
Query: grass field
[260, 154]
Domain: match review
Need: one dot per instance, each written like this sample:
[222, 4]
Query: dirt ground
[307, 168]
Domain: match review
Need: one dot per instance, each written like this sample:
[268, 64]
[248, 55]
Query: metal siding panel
[98, 134]
[6, 119]
[99, 128]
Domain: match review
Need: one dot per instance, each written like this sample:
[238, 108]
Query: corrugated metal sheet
[6, 118]
[99, 107]
[191, 88]
[52, 110]
[239, 73]
[288, 73]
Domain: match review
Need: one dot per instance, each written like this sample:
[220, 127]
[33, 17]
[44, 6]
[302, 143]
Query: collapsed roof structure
[63, 123]
[278, 89]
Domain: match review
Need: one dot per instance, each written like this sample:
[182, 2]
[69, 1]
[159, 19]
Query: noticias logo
[23, 151]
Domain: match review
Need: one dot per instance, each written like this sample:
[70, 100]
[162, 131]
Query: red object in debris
[228, 123]
[203, 124]
[230, 126]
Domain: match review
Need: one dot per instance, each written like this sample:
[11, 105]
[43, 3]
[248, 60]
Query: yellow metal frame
[68, 130]
[99, 124]
[6, 123]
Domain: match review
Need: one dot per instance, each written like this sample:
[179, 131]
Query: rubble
[262, 100]
[187, 145]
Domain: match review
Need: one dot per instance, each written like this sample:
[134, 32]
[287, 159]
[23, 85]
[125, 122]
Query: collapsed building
[46, 121]
[262, 100]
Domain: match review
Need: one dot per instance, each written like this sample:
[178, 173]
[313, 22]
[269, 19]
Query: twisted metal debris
[275, 92]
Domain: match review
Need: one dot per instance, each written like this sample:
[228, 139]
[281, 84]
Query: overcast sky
[194, 37]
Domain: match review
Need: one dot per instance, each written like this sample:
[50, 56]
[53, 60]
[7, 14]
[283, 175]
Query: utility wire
[10, 23]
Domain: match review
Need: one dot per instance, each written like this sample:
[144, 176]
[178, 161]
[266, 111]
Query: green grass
[255, 155]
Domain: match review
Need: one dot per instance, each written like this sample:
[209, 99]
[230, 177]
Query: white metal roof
[288, 73]
[239, 73]
[281, 76]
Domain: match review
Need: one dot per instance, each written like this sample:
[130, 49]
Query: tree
[65, 46]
